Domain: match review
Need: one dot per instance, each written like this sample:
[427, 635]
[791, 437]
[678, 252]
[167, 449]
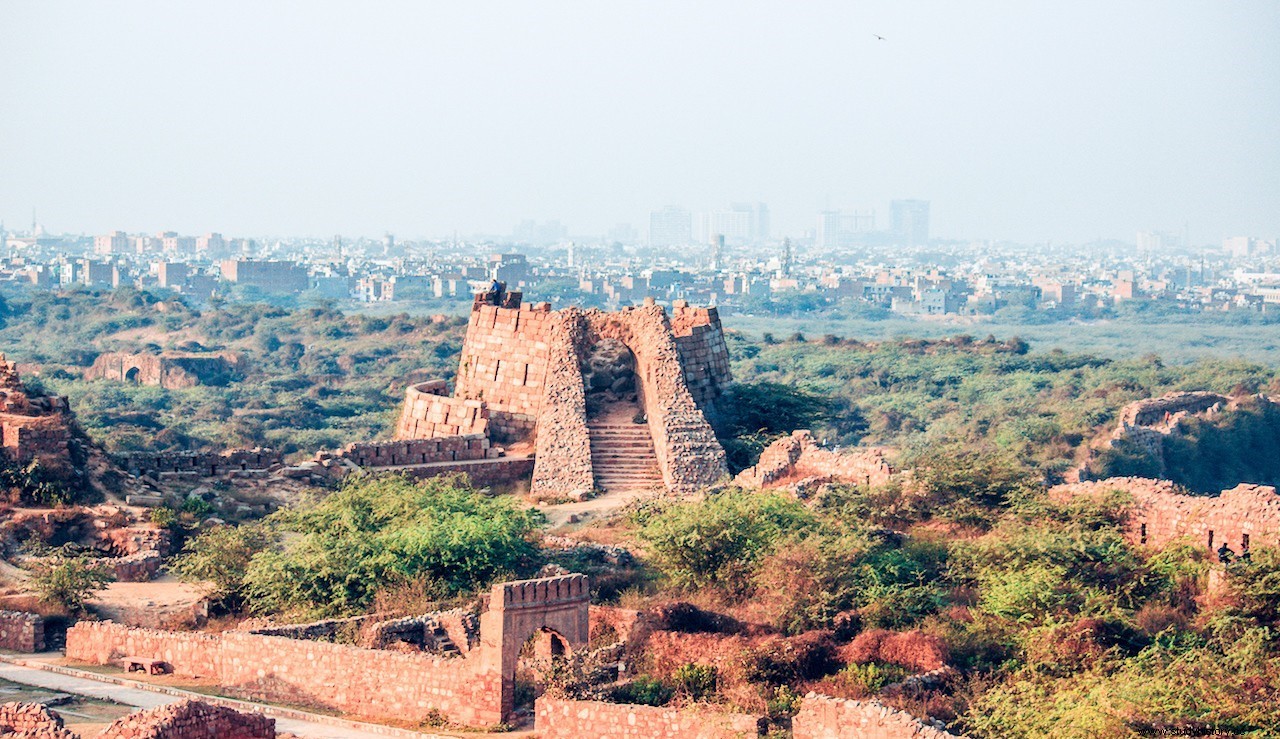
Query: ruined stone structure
[168, 369]
[35, 427]
[1147, 422]
[21, 632]
[798, 460]
[198, 464]
[186, 719]
[565, 380]
[467, 677]
[823, 717]
[571, 719]
[1243, 517]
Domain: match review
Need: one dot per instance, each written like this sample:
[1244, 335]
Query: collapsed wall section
[1162, 512]
[21, 632]
[704, 355]
[798, 456]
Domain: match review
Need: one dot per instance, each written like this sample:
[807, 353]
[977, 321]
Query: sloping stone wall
[429, 412]
[21, 632]
[1163, 512]
[563, 441]
[573, 719]
[504, 358]
[822, 717]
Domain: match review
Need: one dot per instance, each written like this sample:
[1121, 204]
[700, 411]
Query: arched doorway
[131, 376]
[542, 659]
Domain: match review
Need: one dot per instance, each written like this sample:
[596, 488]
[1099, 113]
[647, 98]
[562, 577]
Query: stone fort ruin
[35, 427]
[611, 401]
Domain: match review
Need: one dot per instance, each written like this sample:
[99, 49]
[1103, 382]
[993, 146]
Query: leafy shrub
[643, 691]
[219, 559]
[68, 582]
[716, 543]
[695, 682]
[331, 556]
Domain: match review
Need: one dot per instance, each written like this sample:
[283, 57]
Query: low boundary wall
[21, 632]
[572, 719]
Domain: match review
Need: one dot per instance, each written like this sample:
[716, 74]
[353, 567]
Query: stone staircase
[623, 458]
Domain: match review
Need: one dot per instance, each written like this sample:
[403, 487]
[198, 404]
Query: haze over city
[1026, 122]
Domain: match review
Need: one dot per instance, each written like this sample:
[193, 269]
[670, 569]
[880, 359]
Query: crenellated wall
[204, 464]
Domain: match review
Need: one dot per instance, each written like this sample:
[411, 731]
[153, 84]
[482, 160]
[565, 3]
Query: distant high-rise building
[211, 245]
[1157, 241]
[272, 276]
[172, 243]
[671, 226]
[759, 214]
[838, 228]
[116, 242]
[909, 221]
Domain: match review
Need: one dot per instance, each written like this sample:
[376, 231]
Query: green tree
[331, 557]
[219, 558]
[69, 582]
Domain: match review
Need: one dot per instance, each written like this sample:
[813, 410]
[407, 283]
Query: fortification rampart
[823, 717]
[474, 688]
[34, 427]
[1161, 512]
[521, 373]
[573, 719]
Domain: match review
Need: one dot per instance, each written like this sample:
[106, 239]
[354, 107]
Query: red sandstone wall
[1162, 512]
[374, 684]
[31, 721]
[574, 719]
[418, 451]
[504, 359]
[821, 717]
[703, 352]
[190, 719]
[428, 413]
[21, 632]
[498, 471]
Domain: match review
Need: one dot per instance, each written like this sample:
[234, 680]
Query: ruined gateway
[610, 401]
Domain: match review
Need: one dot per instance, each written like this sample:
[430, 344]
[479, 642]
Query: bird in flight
[878, 36]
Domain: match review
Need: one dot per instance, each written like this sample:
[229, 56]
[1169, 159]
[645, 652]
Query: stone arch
[133, 375]
[519, 610]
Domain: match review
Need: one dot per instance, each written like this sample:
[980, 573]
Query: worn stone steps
[623, 457]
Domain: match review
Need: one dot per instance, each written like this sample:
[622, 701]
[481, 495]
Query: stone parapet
[204, 464]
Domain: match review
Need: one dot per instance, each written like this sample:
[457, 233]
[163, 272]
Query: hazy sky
[1018, 120]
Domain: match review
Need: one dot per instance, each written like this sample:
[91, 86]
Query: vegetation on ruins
[68, 581]
[1207, 455]
[317, 377]
[333, 555]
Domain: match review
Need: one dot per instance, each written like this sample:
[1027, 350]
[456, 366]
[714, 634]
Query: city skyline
[1088, 120]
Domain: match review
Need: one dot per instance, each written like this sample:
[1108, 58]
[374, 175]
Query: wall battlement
[546, 592]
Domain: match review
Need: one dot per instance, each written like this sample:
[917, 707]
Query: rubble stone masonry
[34, 427]
[21, 632]
[572, 719]
[1242, 517]
[823, 717]
[798, 456]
